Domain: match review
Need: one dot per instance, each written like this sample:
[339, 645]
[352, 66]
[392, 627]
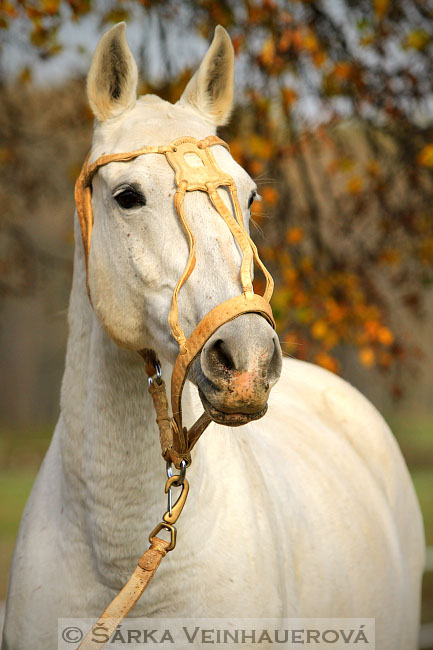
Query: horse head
[139, 246]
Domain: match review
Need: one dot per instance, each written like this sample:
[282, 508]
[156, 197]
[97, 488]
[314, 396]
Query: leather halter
[205, 176]
[176, 441]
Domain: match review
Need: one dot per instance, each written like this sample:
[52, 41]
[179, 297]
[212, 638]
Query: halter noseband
[176, 441]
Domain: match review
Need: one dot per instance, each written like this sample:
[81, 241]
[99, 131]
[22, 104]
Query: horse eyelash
[254, 196]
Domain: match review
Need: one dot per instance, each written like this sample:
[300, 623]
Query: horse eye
[251, 199]
[130, 198]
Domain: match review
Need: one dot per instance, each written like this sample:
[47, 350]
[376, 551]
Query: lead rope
[149, 562]
[176, 441]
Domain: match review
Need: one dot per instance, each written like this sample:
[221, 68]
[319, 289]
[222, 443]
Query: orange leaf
[426, 251]
[51, 6]
[385, 359]
[9, 9]
[319, 58]
[294, 235]
[237, 149]
[380, 8]
[354, 185]
[25, 75]
[373, 167]
[259, 146]
[390, 256]
[385, 336]
[372, 328]
[330, 340]
[255, 167]
[343, 70]
[267, 53]
[289, 97]
[327, 361]
[319, 329]
[237, 42]
[366, 356]
[269, 195]
[6, 155]
[425, 156]
[290, 275]
[310, 42]
[285, 40]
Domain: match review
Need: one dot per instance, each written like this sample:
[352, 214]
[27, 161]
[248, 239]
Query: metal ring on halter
[181, 477]
[158, 369]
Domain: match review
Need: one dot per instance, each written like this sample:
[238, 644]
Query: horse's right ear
[112, 78]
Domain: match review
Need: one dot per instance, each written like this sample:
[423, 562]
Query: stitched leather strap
[173, 316]
[128, 597]
[83, 185]
[221, 314]
[176, 442]
[207, 177]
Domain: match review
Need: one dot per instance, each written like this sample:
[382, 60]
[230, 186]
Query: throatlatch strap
[195, 169]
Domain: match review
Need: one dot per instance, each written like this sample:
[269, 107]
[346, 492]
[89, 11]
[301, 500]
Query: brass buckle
[173, 512]
[165, 526]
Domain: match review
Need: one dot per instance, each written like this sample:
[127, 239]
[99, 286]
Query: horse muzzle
[239, 365]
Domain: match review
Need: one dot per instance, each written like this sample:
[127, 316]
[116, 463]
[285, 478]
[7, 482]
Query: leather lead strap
[127, 596]
[176, 441]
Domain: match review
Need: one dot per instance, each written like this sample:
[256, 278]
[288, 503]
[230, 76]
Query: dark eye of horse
[251, 199]
[130, 198]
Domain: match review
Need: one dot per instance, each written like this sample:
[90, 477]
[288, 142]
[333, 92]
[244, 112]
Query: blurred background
[334, 121]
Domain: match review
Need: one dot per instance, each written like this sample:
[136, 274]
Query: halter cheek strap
[195, 169]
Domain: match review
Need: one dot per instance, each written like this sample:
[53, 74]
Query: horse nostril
[219, 357]
[274, 367]
[240, 365]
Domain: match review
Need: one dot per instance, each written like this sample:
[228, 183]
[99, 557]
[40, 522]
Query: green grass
[21, 453]
[423, 481]
[23, 448]
[415, 437]
[15, 488]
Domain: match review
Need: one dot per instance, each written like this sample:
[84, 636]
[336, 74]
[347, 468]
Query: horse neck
[113, 472]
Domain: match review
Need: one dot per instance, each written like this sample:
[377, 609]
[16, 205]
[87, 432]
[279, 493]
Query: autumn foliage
[334, 125]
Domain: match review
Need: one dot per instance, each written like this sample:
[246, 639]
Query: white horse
[308, 512]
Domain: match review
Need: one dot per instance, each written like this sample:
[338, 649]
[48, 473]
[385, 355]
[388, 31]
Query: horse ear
[112, 78]
[210, 91]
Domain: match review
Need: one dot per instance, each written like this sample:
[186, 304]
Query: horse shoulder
[327, 403]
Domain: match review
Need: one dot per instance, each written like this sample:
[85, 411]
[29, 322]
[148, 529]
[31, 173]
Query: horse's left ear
[210, 91]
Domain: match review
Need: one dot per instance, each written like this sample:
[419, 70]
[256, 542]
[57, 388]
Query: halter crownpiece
[204, 175]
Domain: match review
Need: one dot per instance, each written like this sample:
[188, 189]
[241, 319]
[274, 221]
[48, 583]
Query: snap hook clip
[173, 512]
